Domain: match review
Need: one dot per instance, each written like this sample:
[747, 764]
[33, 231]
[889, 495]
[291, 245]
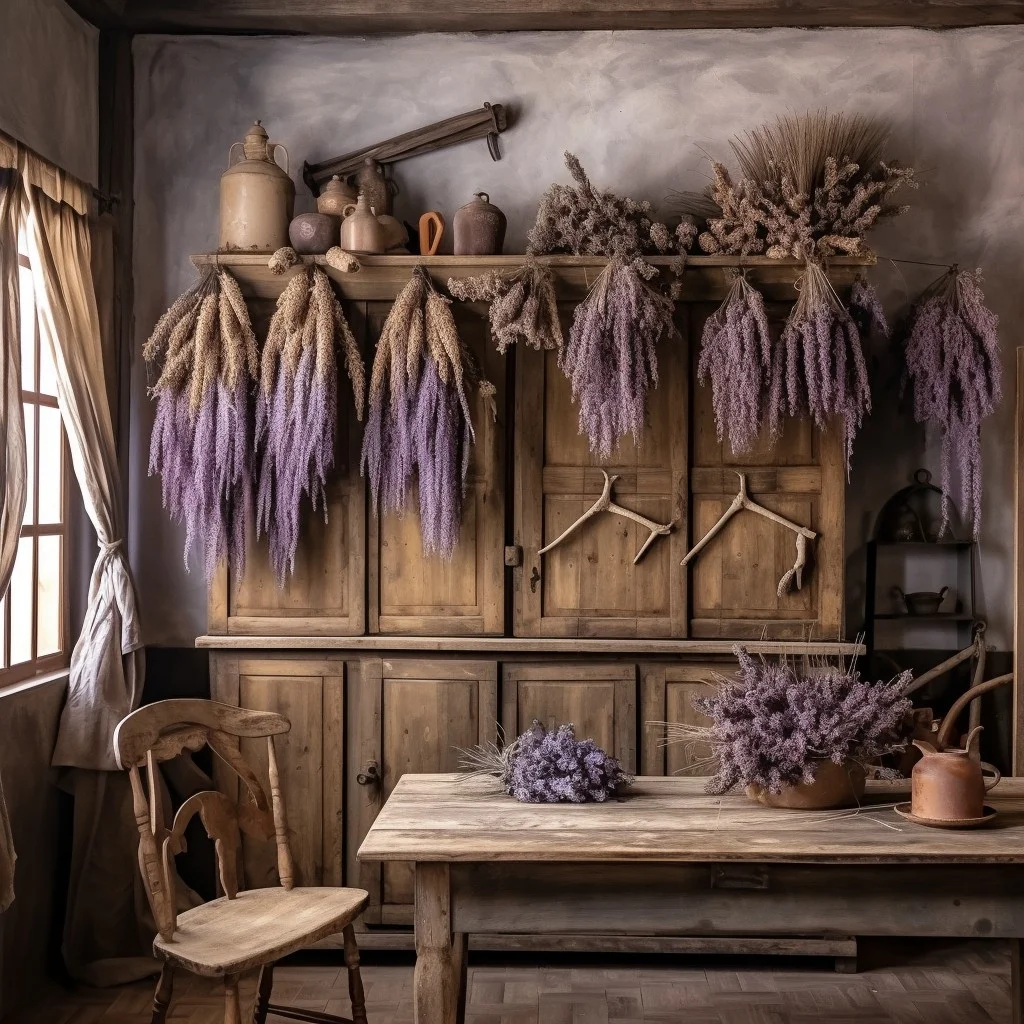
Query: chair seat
[257, 927]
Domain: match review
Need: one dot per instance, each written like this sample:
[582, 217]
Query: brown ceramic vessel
[360, 230]
[834, 785]
[335, 196]
[949, 785]
[312, 234]
[479, 228]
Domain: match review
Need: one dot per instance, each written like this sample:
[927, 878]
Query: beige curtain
[12, 448]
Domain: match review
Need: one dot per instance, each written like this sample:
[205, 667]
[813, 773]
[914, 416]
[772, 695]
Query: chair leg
[355, 981]
[232, 1007]
[162, 995]
[263, 989]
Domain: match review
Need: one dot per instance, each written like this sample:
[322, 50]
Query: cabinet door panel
[667, 693]
[411, 592]
[309, 693]
[599, 700]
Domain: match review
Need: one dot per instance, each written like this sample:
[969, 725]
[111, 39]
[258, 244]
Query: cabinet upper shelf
[381, 278]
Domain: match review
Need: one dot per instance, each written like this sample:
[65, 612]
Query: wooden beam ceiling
[375, 16]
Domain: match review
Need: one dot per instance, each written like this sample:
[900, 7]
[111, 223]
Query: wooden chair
[239, 931]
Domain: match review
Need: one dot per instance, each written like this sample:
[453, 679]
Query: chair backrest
[160, 731]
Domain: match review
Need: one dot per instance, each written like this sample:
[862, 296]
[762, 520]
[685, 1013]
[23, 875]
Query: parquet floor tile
[900, 983]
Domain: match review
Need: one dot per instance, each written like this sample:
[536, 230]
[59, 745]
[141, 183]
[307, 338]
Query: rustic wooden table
[669, 859]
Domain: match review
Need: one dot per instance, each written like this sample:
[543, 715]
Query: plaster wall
[641, 110]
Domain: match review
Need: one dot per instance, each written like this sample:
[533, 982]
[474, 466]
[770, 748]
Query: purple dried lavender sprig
[866, 309]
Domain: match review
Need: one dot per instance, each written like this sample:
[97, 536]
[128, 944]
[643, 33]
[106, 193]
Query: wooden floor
[912, 983]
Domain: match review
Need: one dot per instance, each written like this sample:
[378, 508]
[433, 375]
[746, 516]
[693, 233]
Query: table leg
[460, 948]
[435, 981]
[1016, 992]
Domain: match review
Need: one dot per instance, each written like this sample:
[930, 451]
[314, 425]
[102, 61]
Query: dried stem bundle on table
[523, 306]
[297, 408]
[810, 186]
[201, 443]
[952, 353]
[419, 419]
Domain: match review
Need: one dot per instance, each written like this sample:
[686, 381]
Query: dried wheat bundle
[201, 444]
[952, 352]
[297, 408]
[587, 222]
[736, 354]
[419, 416]
[810, 186]
[818, 367]
[522, 305]
[610, 358]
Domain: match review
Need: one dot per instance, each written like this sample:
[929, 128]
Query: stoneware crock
[834, 785]
[479, 228]
[335, 196]
[360, 230]
[312, 234]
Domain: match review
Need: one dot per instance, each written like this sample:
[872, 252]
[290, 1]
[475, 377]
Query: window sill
[34, 682]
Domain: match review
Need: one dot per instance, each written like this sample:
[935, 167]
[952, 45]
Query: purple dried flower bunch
[818, 368]
[736, 356]
[611, 359]
[297, 408]
[201, 444]
[952, 353]
[811, 186]
[866, 309]
[419, 421]
[523, 306]
[584, 221]
[772, 724]
[550, 766]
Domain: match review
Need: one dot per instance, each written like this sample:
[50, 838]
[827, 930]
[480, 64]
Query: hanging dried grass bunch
[818, 367]
[523, 305]
[297, 408]
[810, 186]
[610, 359]
[736, 355]
[584, 221]
[419, 419]
[952, 352]
[201, 444]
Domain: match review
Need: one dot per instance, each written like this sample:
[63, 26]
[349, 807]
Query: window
[33, 615]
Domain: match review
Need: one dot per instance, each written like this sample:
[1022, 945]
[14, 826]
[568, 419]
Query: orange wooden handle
[431, 230]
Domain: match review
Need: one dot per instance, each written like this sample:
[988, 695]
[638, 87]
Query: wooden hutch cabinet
[386, 661]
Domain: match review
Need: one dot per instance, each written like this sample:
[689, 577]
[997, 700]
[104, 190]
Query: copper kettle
[949, 785]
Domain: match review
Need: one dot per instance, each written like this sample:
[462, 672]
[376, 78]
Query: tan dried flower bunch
[810, 186]
[522, 305]
[584, 221]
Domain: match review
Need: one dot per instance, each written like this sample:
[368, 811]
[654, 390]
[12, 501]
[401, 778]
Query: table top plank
[458, 819]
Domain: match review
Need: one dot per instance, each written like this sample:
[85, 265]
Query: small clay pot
[312, 234]
[479, 228]
[361, 231]
[834, 785]
[395, 235]
[335, 196]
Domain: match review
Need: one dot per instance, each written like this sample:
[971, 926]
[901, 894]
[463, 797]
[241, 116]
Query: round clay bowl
[312, 234]
[834, 786]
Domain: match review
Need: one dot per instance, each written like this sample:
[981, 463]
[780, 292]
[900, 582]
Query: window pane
[48, 620]
[50, 452]
[30, 449]
[28, 329]
[47, 374]
[21, 604]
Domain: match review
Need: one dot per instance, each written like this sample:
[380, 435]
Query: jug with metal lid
[257, 196]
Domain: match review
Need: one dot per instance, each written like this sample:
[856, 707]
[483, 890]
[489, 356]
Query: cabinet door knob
[370, 775]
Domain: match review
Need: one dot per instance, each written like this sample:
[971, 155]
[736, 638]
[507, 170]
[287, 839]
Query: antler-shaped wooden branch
[605, 504]
[742, 501]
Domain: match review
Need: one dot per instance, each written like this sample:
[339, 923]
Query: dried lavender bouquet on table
[549, 766]
[798, 738]
[952, 354]
[610, 358]
[297, 408]
[201, 445]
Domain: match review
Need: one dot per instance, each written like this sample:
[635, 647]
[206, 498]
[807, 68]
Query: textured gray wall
[640, 110]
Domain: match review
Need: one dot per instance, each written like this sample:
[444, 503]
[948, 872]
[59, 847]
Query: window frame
[59, 660]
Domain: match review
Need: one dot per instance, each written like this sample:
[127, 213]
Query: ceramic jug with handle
[949, 785]
[257, 196]
[360, 230]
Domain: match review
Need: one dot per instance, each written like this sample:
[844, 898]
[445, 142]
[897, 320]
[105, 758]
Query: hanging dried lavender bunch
[610, 359]
[523, 305]
[952, 352]
[772, 724]
[584, 221]
[866, 309]
[810, 186]
[818, 367]
[736, 354]
[201, 444]
[543, 767]
[297, 408]
[419, 419]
